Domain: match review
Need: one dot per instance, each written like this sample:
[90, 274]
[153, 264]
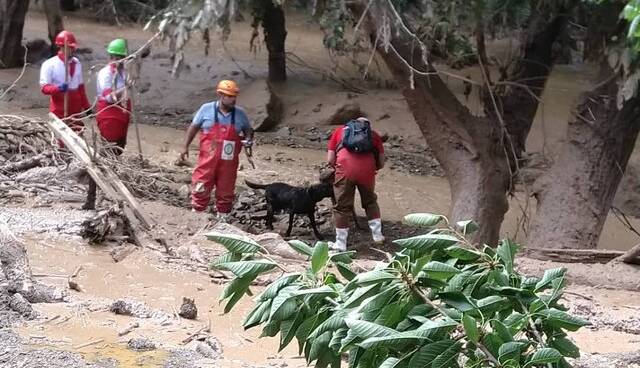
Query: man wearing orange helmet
[224, 128]
[57, 81]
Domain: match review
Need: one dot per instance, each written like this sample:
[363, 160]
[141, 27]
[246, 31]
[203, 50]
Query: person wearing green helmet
[113, 107]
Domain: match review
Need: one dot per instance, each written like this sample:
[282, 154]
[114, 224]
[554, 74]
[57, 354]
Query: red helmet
[68, 37]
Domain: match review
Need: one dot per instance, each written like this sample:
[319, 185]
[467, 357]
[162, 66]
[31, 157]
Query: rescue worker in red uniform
[224, 129]
[55, 81]
[355, 170]
[113, 107]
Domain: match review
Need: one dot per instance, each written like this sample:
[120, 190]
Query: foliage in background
[438, 302]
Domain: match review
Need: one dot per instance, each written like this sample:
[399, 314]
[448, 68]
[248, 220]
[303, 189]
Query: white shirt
[107, 81]
[52, 72]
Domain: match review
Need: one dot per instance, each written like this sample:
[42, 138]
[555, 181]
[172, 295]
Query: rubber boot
[90, 202]
[222, 217]
[340, 244]
[376, 230]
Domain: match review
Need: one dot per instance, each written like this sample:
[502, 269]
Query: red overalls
[217, 166]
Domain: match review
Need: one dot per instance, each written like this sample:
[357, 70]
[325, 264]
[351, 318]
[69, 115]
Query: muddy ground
[49, 222]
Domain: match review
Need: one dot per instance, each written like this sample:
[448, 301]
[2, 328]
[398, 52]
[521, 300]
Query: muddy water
[145, 278]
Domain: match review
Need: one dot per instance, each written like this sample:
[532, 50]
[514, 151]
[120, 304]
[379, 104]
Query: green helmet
[118, 47]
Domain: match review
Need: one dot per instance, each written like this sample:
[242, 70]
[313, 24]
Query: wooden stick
[88, 343]
[573, 255]
[66, 78]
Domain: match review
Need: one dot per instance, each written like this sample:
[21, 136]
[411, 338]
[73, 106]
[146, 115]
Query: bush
[438, 302]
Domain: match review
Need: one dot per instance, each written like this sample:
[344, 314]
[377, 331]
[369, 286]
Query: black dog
[294, 200]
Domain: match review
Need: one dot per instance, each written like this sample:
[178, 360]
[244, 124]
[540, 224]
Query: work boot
[340, 244]
[376, 230]
[222, 217]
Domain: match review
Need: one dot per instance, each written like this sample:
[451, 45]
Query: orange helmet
[228, 87]
[68, 37]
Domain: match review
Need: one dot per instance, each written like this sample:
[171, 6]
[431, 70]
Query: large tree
[12, 14]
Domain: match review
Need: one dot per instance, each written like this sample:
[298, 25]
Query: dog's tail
[255, 185]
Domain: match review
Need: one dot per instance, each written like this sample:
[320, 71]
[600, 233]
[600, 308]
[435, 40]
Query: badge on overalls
[228, 148]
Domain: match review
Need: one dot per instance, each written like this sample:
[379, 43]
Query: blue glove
[63, 87]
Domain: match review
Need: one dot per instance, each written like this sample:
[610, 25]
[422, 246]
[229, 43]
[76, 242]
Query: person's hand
[248, 143]
[63, 87]
[184, 155]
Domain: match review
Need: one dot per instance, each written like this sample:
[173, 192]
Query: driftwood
[573, 255]
[632, 255]
[106, 179]
[26, 164]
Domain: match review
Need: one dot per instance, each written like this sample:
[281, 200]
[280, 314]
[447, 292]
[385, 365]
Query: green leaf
[565, 347]
[457, 300]
[440, 271]
[428, 242]
[509, 351]
[543, 356]
[319, 344]
[492, 304]
[493, 342]
[449, 357]
[390, 363]
[397, 341]
[288, 329]
[550, 275]
[373, 277]
[305, 329]
[336, 339]
[227, 257]
[236, 289]
[467, 227]
[471, 328]
[342, 257]
[345, 271]
[271, 329]
[320, 257]
[283, 306]
[323, 290]
[558, 318]
[359, 295]
[248, 268]
[333, 323]
[506, 252]
[423, 219]
[235, 243]
[301, 247]
[272, 290]
[367, 330]
[462, 253]
[255, 317]
[428, 353]
[501, 330]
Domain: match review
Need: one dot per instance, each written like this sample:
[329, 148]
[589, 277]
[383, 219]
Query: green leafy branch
[438, 302]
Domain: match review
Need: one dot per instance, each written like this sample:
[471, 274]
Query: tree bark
[575, 195]
[275, 34]
[54, 21]
[469, 148]
[12, 14]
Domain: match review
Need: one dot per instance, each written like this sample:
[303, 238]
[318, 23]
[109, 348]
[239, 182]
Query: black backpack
[357, 137]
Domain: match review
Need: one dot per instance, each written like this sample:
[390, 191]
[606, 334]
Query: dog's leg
[312, 219]
[269, 219]
[288, 233]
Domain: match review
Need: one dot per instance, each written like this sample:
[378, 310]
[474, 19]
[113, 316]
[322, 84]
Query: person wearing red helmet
[56, 81]
[224, 128]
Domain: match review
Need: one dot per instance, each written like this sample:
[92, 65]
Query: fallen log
[573, 255]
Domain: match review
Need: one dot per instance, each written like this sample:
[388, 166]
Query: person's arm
[196, 123]
[245, 125]
[46, 85]
[331, 148]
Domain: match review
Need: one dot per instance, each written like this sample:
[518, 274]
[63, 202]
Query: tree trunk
[575, 195]
[275, 33]
[12, 13]
[54, 21]
[518, 104]
[469, 148]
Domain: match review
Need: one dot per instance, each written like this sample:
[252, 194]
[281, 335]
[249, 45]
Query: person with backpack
[356, 153]
[224, 129]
